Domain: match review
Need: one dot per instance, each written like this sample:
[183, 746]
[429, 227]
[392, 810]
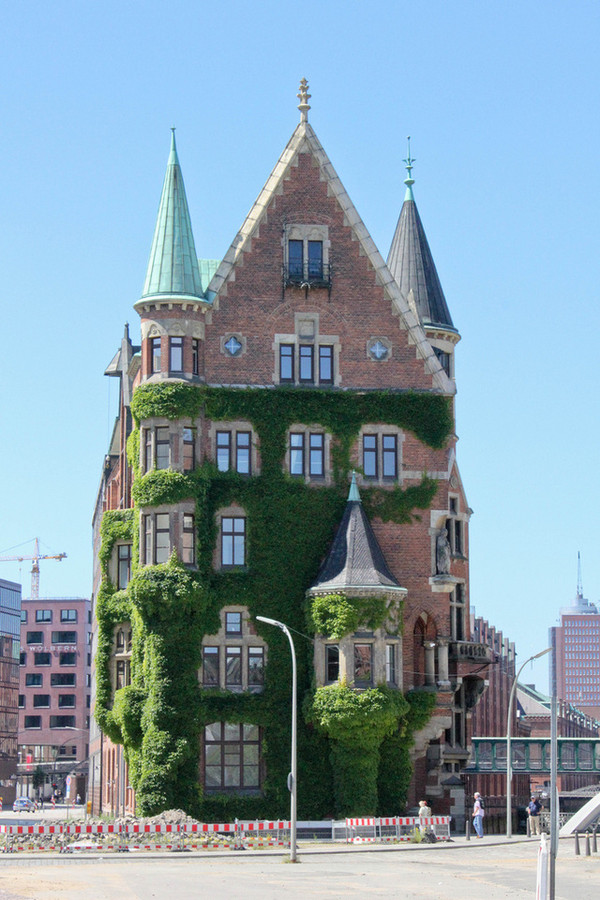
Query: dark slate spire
[411, 263]
[355, 563]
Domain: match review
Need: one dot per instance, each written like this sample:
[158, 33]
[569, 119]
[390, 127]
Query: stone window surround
[176, 442]
[165, 328]
[234, 425]
[246, 640]
[175, 513]
[379, 639]
[236, 512]
[306, 233]
[386, 343]
[380, 430]
[306, 331]
[307, 430]
[239, 337]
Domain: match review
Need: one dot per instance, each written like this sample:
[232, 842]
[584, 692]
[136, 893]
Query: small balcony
[470, 651]
[307, 274]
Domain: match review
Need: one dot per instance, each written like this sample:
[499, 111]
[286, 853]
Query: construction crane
[35, 568]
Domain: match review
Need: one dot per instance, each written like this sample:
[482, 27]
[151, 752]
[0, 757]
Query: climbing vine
[161, 715]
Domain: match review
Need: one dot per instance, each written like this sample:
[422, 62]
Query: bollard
[528, 826]
[467, 829]
[594, 843]
[577, 850]
[587, 843]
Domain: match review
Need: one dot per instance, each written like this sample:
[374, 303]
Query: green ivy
[335, 615]
[161, 715]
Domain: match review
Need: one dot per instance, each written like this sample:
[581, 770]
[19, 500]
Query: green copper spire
[173, 264]
[353, 495]
[410, 180]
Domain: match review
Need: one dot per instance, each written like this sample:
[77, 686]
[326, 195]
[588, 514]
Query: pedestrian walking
[533, 811]
[478, 814]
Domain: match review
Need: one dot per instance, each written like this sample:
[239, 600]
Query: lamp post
[292, 776]
[508, 740]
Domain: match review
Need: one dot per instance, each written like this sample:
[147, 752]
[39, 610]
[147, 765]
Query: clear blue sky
[501, 101]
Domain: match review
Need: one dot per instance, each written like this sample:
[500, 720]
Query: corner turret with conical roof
[410, 261]
[172, 305]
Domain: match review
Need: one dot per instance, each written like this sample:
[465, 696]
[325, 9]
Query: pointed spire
[355, 562]
[410, 261]
[173, 264]
[303, 97]
[410, 180]
[353, 495]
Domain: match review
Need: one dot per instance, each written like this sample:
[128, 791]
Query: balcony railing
[308, 274]
[470, 651]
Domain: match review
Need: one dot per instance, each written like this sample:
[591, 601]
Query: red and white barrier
[395, 828]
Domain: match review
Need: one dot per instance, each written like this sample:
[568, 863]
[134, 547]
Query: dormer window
[305, 261]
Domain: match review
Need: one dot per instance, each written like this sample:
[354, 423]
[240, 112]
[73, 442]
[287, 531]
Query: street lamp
[508, 740]
[292, 775]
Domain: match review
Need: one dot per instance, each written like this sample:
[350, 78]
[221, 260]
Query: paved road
[460, 871]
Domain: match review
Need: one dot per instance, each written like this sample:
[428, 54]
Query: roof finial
[410, 180]
[353, 495]
[303, 97]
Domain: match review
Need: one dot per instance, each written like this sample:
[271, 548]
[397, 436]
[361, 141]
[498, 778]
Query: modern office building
[10, 628]
[576, 641]
[285, 447]
[54, 695]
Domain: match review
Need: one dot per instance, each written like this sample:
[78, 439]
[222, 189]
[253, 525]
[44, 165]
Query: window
[43, 615]
[24, 616]
[147, 438]
[231, 756]
[316, 455]
[233, 623]
[41, 700]
[189, 452]
[33, 679]
[326, 364]
[370, 455]
[66, 700]
[443, 359]
[233, 667]
[35, 637]
[457, 613]
[42, 659]
[33, 721]
[68, 615]
[233, 541]
[123, 673]
[307, 373]
[21, 701]
[210, 667]
[175, 354]
[163, 447]
[123, 566]
[256, 667]
[162, 538]
[195, 357]
[390, 663]
[454, 527]
[64, 637]
[363, 664]
[155, 355]
[286, 363]
[188, 549]
[332, 663]
[62, 679]
[315, 259]
[238, 442]
[67, 659]
[62, 721]
[380, 456]
[296, 260]
[22, 658]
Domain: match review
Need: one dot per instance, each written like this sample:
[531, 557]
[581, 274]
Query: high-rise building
[54, 696]
[261, 384]
[576, 643]
[10, 628]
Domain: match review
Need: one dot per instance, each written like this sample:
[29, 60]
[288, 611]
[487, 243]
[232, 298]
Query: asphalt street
[458, 871]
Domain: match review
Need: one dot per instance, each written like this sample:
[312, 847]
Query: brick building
[54, 694]
[261, 383]
[10, 627]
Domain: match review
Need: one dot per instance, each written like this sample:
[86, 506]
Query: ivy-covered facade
[285, 448]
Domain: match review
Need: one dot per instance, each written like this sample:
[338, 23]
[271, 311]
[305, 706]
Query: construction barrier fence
[397, 828]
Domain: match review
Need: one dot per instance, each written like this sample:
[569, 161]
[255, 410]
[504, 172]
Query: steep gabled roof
[304, 140]
[411, 263]
[355, 562]
[173, 265]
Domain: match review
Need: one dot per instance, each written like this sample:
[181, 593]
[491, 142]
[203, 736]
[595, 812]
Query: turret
[411, 263]
[172, 305]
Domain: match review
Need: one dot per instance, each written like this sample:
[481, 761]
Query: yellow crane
[35, 568]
